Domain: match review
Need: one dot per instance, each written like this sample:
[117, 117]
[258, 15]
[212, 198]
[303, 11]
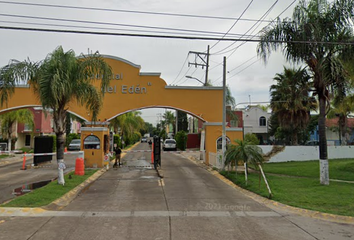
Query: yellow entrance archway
[131, 90]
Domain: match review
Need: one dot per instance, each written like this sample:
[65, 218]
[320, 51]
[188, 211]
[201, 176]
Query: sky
[248, 77]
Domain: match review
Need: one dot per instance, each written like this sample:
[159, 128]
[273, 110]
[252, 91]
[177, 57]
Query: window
[28, 140]
[92, 142]
[219, 143]
[234, 123]
[262, 121]
[27, 128]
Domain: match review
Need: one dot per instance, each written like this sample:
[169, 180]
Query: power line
[173, 36]
[259, 21]
[101, 28]
[113, 24]
[266, 13]
[234, 49]
[243, 69]
[233, 24]
[180, 70]
[243, 63]
[129, 11]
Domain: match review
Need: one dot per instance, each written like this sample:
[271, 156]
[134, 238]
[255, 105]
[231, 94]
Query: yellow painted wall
[132, 90]
[213, 132]
[135, 90]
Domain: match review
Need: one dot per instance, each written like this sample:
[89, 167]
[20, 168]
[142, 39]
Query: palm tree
[290, 101]
[230, 101]
[341, 107]
[243, 151]
[129, 123]
[170, 118]
[60, 79]
[8, 119]
[306, 38]
[248, 153]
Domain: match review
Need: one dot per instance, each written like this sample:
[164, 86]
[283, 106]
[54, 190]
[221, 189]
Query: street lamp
[195, 79]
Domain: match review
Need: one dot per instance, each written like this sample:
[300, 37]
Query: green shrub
[26, 150]
[116, 140]
[70, 137]
[251, 138]
[181, 140]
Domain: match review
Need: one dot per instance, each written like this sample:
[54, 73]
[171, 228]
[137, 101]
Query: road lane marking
[161, 183]
[35, 212]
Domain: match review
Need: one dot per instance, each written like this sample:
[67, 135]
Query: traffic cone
[65, 149]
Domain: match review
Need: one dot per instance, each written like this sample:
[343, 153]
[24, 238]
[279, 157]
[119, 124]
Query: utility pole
[205, 63]
[223, 136]
[176, 123]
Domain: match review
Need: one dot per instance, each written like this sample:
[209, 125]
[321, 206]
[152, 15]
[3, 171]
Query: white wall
[305, 153]
[251, 120]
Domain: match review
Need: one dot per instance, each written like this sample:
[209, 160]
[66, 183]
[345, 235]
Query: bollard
[79, 166]
[152, 153]
[24, 162]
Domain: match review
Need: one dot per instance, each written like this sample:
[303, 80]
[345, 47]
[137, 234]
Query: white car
[75, 145]
[169, 144]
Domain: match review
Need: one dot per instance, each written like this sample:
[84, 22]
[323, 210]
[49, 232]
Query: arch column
[213, 130]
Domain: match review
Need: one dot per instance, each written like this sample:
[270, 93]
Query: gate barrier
[81, 154]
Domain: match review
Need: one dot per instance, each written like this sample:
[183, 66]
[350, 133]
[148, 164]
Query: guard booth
[95, 144]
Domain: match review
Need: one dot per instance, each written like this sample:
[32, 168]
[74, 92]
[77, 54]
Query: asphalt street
[132, 202]
[11, 175]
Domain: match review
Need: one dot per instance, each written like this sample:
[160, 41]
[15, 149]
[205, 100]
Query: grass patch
[4, 156]
[308, 193]
[26, 150]
[342, 169]
[47, 194]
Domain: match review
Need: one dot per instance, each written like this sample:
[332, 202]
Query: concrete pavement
[189, 203]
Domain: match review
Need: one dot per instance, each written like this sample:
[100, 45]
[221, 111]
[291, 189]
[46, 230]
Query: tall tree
[182, 121]
[290, 101]
[128, 123]
[8, 120]
[170, 119]
[310, 37]
[231, 102]
[60, 79]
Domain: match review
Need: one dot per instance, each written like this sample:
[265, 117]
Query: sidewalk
[11, 159]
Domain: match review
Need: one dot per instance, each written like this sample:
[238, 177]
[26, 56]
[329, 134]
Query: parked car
[312, 143]
[169, 144]
[144, 139]
[75, 145]
[92, 142]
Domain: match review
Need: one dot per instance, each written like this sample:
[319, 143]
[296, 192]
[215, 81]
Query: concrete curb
[277, 205]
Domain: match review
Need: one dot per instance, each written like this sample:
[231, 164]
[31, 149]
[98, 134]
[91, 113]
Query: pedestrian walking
[118, 152]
